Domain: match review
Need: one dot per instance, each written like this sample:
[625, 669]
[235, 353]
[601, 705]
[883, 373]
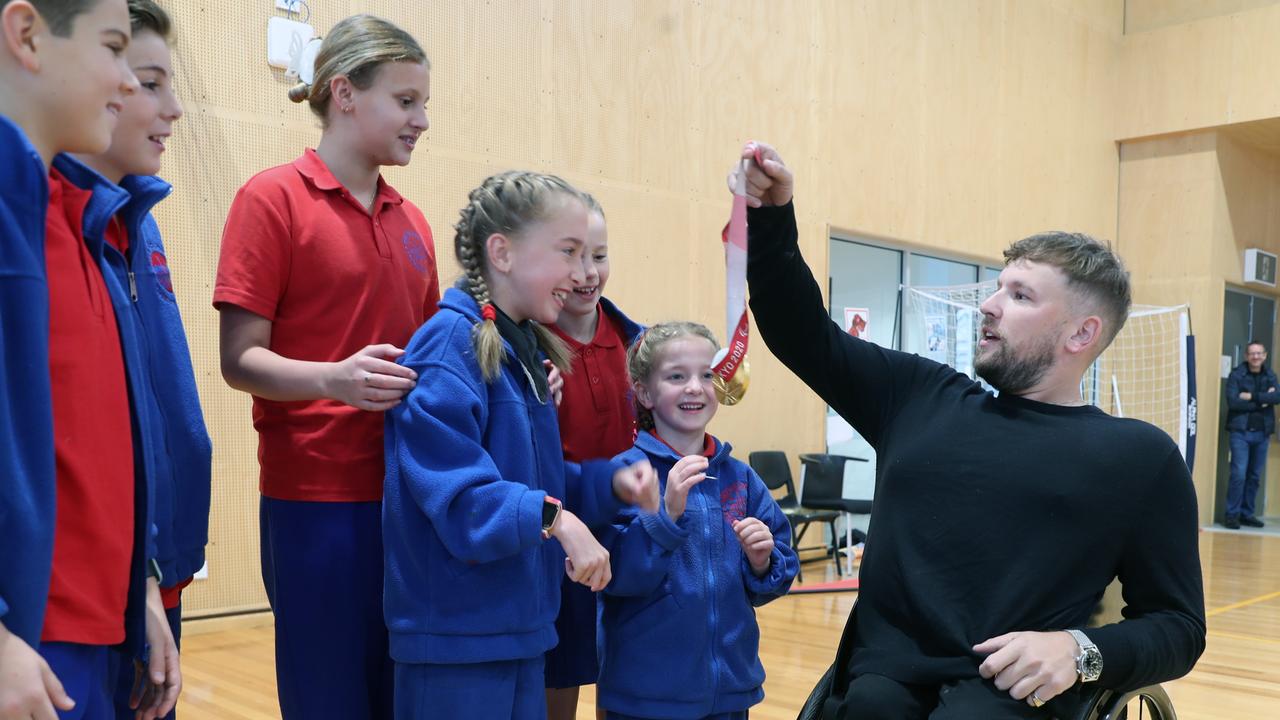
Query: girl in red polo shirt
[325, 273]
[596, 421]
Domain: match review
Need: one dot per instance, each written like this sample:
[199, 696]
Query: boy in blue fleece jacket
[48, 104]
[474, 467]
[182, 448]
[688, 577]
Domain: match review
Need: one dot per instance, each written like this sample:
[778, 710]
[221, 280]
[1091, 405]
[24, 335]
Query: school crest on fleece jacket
[468, 576]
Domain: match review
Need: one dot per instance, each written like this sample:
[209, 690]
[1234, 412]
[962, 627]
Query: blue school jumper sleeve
[183, 450]
[106, 201]
[784, 563]
[640, 544]
[589, 491]
[27, 490]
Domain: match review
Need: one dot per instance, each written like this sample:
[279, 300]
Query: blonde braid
[505, 203]
[485, 337]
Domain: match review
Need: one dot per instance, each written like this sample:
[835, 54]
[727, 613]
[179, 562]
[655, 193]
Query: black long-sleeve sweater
[992, 514]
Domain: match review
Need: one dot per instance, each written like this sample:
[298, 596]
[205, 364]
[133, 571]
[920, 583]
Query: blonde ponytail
[357, 47]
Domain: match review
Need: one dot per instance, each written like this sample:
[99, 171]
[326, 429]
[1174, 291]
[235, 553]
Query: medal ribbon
[734, 237]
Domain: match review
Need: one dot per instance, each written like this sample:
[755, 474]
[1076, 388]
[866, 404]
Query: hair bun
[300, 92]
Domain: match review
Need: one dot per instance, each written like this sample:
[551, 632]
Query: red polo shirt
[708, 444]
[302, 252]
[597, 419]
[93, 438]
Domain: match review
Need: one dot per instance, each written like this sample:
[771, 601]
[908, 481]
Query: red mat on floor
[847, 585]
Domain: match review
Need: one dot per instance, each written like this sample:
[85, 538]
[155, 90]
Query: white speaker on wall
[1259, 267]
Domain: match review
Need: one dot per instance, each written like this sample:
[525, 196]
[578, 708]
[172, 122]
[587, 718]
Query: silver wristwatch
[1089, 661]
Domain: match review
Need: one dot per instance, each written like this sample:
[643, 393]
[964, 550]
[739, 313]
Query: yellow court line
[1241, 636]
[1242, 603]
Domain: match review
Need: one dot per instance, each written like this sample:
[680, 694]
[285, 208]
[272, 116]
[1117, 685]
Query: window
[865, 283]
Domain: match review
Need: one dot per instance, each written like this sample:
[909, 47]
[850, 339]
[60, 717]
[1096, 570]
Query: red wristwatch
[550, 512]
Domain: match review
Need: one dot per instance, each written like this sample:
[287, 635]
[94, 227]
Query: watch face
[549, 512]
[1092, 664]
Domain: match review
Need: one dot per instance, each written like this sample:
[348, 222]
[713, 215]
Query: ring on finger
[1034, 700]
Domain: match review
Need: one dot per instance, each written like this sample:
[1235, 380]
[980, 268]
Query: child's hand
[156, 686]
[637, 485]
[687, 472]
[588, 561]
[555, 381]
[28, 688]
[757, 543]
[370, 379]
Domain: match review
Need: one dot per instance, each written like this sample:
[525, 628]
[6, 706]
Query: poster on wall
[935, 338]
[857, 322]
[966, 332]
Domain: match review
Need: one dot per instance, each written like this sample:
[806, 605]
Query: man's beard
[1016, 374]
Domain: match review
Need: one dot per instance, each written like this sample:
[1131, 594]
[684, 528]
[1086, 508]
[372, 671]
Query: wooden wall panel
[956, 126]
[1202, 74]
[1144, 15]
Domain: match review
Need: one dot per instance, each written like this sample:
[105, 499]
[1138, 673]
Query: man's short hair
[1093, 271]
[59, 15]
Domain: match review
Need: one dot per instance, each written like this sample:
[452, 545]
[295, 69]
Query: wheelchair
[1148, 703]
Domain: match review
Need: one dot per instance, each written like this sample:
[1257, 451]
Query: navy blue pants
[87, 674]
[572, 662]
[506, 689]
[739, 715]
[875, 697]
[322, 567]
[1248, 463]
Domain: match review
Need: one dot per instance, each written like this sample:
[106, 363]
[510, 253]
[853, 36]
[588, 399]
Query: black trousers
[875, 697]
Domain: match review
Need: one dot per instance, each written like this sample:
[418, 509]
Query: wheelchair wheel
[1149, 703]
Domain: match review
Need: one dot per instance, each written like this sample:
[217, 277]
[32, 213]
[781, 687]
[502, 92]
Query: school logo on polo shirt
[160, 268]
[416, 249]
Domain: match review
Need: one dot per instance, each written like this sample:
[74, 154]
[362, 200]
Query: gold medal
[731, 392]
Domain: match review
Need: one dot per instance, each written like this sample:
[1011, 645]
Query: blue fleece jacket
[27, 491]
[630, 328]
[184, 453]
[468, 576]
[106, 200]
[683, 595]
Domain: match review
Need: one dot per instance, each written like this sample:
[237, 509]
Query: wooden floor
[230, 673]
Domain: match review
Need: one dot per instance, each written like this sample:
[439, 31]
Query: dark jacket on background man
[1262, 405]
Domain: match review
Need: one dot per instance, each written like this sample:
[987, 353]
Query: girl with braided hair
[476, 536]
[325, 273]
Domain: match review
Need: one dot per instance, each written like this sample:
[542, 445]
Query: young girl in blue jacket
[678, 629]
[475, 530]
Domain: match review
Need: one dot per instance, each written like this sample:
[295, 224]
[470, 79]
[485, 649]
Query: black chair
[823, 489]
[773, 468]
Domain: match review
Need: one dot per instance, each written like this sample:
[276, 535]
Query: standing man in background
[1251, 418]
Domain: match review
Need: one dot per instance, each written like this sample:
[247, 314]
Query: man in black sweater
[999, 520]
